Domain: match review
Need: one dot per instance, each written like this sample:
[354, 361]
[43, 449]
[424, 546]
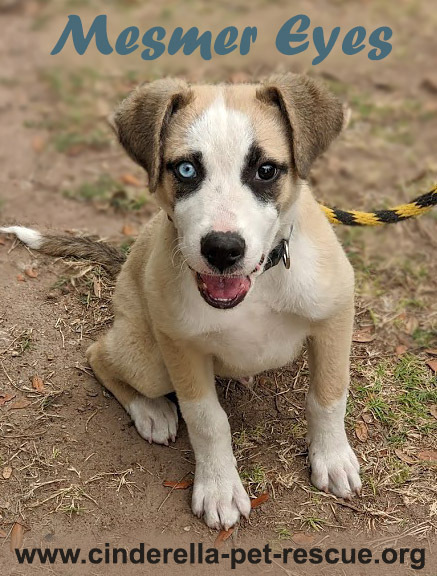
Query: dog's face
[227, 175]
[225, 162]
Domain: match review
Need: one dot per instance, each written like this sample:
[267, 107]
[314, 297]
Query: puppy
[238, 269]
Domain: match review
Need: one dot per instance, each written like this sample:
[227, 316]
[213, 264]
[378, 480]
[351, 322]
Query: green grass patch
[398, 472]
[424, 338]
[103, 187]
[254, 479]
[75, 119]
[106, 189]
[283, 533]
[398, 395]
[70, 141]
[313, 523]
[254, 475]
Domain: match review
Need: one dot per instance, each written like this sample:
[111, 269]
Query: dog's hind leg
[154, 416]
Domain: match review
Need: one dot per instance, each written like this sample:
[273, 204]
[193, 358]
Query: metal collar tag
[286, 254]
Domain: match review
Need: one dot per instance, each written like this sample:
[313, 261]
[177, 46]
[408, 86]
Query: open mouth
[223, 291]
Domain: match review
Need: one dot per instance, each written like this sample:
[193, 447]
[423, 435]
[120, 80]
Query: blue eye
[186, 171]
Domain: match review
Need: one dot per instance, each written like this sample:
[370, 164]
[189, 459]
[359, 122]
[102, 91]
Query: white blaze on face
[223, 203]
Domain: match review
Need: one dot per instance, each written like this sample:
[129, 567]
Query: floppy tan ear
[141, 121]
[314, 115]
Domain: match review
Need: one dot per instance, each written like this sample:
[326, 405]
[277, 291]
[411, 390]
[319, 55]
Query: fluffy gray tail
[109, 257]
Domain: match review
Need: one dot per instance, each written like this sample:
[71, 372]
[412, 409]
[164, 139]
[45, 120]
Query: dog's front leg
[334, 466]
[218, 493]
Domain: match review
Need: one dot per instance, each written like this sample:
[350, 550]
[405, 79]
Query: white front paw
[156, 419]
[334, 466]
[219, 496]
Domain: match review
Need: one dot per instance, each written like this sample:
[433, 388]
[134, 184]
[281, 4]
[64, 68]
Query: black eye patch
[188, 174]
[262, 174]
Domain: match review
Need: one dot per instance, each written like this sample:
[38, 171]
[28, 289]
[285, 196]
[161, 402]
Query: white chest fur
[260, 339]
[259, 334]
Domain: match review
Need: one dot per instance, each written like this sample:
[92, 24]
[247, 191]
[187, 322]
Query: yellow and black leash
[415, 208]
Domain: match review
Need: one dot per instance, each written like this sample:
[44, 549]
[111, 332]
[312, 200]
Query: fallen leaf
[97, 288]
[31, 272]
[401, 349]
[367, 417]
[428, 455]
[19, 404]
[38, 384]
[21, 278]
[2, 533]
[223, 535]
[6, 398]
[405, 339]
[429, 84]
[130, 180]
[433, 410]
[405, 457]
[129, 230]
[411, 324]
[432, 364]
[31, 8]
[361, 431]
[363, 336]
[432, 351]
[255, 502]
[38, 144]
[2, 242]
[75, 150]
[430, 107]
[17, 536]
[178, 485]
[7, 472]
[302, 538]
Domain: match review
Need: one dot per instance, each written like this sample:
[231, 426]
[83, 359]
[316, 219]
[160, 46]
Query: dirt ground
[72, 467]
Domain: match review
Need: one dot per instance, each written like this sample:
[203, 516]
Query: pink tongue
[226, 287]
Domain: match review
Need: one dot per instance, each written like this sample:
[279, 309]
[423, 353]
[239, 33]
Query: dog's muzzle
[221, 291]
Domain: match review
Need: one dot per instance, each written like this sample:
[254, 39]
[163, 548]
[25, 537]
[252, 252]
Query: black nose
[222, 249]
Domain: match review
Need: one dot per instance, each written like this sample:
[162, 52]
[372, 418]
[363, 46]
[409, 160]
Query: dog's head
[225, 162]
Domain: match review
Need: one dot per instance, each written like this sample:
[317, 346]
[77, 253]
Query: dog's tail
[111, 258]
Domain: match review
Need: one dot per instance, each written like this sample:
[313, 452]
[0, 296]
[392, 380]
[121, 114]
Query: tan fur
[315, 116]
[141, 121]
[329, 349]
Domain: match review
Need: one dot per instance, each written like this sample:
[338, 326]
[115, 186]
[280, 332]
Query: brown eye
[266, 172]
